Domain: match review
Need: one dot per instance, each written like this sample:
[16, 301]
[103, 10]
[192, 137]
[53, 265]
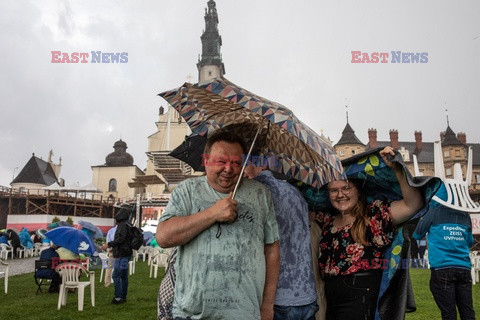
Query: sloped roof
[36, 171]
[450, 138]
[349, 137]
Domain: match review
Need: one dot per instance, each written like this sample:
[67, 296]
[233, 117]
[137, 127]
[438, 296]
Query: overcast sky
[297, 53]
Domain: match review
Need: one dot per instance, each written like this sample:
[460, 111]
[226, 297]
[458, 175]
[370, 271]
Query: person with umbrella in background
[228, 249]
[354, 238]
[121, 252]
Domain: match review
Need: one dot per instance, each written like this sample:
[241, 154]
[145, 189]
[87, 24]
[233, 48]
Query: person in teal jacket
[449, 237]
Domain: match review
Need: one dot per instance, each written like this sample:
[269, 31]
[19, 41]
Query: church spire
[210, 65]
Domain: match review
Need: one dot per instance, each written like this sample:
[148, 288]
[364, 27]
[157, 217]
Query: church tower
[210, 65]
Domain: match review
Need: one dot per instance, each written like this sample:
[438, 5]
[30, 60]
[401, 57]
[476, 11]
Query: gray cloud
[296, 53]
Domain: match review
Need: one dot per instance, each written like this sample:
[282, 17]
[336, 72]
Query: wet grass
[426, 306]
[22, 303]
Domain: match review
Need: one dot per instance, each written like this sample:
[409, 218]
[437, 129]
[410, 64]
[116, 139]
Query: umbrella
[59, 224]
[95, 231]
[147, 236]
[71, 239]
[190, 151]
[298, 151]
[41, 233]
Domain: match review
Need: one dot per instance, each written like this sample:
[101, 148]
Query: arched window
[112, 185]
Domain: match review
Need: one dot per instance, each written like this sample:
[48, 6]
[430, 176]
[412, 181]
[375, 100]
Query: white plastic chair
[70, 272]
[159, 260]
[5, 274]
[21, 252]
[131, 267]
[141, 252]
[106, 263]
[37, 248]
[5, 249]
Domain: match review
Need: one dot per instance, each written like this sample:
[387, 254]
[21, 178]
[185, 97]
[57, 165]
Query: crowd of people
[263, 255]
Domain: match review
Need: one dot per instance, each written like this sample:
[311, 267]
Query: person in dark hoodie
[121, 253]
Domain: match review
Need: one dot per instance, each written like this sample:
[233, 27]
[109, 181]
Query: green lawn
[426, 307]
[22, 303]
[21, 300]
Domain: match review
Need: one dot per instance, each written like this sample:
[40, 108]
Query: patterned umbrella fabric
[94, 230]
[298, 151]
[72, 239]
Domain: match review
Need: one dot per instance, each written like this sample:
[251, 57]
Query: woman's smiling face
[343, 195]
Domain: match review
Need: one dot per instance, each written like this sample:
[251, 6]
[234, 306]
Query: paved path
[21, 266]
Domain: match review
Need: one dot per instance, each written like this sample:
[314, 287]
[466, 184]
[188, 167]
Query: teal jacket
[449, 236]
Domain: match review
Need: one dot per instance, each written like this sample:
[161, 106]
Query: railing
[63, 194]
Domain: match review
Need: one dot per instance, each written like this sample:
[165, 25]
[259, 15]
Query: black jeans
[352, 297]
[451, 288]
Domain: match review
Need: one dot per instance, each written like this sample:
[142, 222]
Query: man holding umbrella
[228, 254]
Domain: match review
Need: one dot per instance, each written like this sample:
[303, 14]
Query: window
[448, 172]
[477, 178]
[112, 185]
[446, 154]
[342, 153]
[457, 153]
[353, 151]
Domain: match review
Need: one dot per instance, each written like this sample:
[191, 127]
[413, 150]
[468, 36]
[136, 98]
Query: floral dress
[341, 255]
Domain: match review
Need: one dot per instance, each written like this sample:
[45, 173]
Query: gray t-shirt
[222, 277]
[296, 283]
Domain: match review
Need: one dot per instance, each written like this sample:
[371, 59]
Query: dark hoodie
[121, 241]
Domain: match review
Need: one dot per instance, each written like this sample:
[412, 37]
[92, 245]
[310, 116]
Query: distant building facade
[454, 149]
[112, 177]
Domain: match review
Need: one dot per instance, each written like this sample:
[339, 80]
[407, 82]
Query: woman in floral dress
[354, 238]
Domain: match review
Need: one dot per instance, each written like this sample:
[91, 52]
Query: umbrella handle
[245, 163]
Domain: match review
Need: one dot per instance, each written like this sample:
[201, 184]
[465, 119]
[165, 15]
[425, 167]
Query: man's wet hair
[225, 136]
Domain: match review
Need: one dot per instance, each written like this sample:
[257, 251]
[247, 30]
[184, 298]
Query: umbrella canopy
[59, 224]
[41, 233]
[297, 150]
[190, 151]
[72, 239]
[95, 231]
[147, 236]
